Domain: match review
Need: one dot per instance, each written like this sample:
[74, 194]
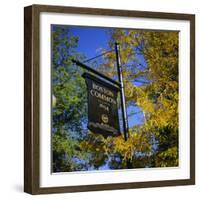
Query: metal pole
[122, 95]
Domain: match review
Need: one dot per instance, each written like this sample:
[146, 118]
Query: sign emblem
[102, 106]
[104, 118]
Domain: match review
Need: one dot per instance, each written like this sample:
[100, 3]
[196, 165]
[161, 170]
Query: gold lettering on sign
[102, 90]
[102, 93]
[102, 97]
[105, 107]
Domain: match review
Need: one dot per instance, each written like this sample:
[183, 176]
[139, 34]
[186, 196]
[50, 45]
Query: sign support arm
[96, 72]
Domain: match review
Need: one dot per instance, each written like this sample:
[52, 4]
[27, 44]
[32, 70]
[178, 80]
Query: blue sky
[91, 39]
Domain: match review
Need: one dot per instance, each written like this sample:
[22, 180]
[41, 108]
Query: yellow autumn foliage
[152, 58]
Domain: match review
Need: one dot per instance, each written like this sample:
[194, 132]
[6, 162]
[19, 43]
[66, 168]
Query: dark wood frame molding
[32, 106]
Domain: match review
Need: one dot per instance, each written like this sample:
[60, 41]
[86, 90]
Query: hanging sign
[102, 106]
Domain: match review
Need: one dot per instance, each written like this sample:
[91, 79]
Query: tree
[150, 70]
[69, 111]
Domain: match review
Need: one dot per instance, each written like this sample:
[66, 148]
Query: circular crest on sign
[104, 118]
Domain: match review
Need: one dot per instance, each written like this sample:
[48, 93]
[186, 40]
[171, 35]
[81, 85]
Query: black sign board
[102, 106]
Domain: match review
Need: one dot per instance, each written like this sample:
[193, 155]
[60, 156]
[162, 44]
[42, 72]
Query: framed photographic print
[109, 99]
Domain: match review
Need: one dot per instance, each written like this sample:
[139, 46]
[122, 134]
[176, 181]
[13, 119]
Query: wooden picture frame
[32, 105]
